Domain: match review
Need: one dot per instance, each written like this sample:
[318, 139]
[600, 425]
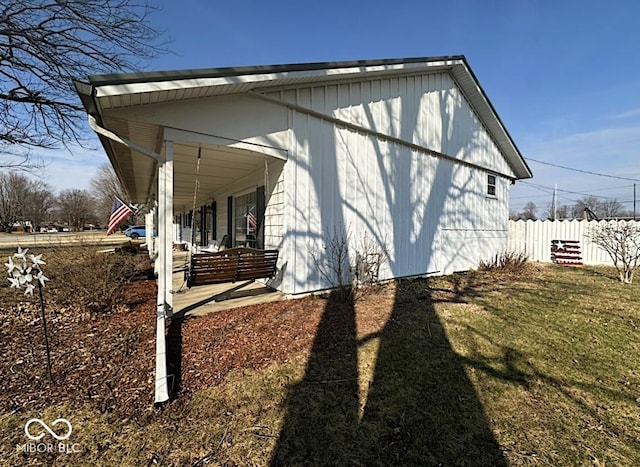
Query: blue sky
[562, 75]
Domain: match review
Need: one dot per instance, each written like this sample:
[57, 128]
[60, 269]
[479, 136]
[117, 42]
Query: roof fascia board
[475, 92]
[187, 82]
[154, 76]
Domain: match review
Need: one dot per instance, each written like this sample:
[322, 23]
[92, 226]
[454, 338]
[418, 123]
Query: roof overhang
[117, 91]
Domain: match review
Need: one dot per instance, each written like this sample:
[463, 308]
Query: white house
[409, 152]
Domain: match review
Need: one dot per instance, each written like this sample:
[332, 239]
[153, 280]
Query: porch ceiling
[220, 166]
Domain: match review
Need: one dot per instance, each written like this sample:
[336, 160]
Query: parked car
[136, 231]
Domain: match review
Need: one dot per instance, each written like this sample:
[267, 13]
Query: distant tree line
[588, 207]
[26, 201]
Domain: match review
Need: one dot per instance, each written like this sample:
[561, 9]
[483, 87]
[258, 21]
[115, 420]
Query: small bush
[621, 241]
[505, 262]
[350, 268]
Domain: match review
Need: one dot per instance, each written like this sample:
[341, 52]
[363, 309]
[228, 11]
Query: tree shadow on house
[420, 409]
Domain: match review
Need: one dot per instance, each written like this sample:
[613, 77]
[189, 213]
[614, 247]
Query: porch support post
[150, 239]
[165, 257]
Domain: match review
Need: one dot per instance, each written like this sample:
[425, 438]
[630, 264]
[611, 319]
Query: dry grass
[469, 369]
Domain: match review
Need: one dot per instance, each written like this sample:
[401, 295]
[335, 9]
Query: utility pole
[555, 203]
[634, 201]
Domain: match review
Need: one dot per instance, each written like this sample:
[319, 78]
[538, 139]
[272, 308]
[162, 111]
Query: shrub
[621, 241]
[347, 265]
[87, 279]
[505, 262]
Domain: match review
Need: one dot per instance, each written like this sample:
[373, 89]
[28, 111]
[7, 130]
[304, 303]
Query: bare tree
[610, 209]
[585, 204]
[105, 186]
[559, 213]
[621, 240]
[563, 212]
[333, 258]
[14, 188]
[40, 203]
[590, 206]
[76, 207]
[345, 265]
[23, 201]
[44, 44]
[528, 212]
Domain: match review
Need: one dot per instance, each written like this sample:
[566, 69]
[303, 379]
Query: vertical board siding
[432, 214]
[534, 239]
[428, 110]
[475, 226]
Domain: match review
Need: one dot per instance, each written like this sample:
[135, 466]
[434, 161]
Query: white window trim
[488, 185]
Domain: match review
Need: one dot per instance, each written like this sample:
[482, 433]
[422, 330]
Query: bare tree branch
[105, 186]
[75, 207]
[44, 45]
[23, 201]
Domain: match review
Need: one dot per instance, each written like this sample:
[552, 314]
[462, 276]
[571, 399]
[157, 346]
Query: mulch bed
[107, 361]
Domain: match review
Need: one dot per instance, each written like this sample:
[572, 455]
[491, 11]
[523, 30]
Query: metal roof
[232, 72]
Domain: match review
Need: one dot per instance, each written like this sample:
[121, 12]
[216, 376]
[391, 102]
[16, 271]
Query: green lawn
[469, 369]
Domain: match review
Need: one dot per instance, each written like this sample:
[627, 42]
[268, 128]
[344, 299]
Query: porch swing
[227, 265]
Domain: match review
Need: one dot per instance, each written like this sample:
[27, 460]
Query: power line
[613, 188]
[540, 187]
[512, 198]
[518, 206]
[583, 171]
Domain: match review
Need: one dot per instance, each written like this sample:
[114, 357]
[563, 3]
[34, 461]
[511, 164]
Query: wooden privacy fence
[539, 240]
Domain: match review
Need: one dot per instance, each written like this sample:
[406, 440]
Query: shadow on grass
[603, 272]
[321, 424]
[420, 409]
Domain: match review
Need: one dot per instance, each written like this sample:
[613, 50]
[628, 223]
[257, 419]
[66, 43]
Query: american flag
[119, 213]
[252, 222]
[566, 252]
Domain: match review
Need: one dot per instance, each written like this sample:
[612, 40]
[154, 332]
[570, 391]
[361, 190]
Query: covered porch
[207, 180]
[201, 194]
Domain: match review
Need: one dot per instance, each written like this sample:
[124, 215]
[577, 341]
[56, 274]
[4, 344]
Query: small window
[491, 185]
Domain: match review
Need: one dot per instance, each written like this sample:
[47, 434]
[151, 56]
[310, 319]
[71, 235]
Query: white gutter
[162, 386]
